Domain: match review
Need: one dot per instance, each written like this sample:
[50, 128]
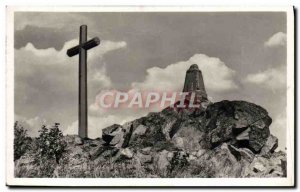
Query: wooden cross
[81, 49]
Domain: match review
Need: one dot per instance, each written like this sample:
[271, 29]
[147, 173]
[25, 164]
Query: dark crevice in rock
[107, 139]
[175, 127]
[127, 137]
[242, 143]
[234, 152]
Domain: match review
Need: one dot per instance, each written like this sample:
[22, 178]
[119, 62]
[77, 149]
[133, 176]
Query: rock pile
[227, 139]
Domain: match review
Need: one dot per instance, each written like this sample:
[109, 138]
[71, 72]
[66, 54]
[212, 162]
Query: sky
[242, 56]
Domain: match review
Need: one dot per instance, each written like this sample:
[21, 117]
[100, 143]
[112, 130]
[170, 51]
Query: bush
[21, 141]
[50, 143]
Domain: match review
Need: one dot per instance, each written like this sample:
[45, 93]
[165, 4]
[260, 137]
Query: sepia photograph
[150, 96]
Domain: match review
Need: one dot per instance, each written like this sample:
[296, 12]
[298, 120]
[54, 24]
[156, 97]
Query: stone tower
[194, 83]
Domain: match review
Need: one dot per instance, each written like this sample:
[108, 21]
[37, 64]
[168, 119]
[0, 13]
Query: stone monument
[194, 83]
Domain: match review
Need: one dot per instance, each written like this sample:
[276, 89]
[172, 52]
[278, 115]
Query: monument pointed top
[194, 67]
[194, 82]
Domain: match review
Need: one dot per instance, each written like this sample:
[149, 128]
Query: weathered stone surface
[146, 150]
[127, 153]
[192, 157]
[258, 167]
[178, 142]
[118, 139]
[200, 152]
[96, 152]
[237, 121]
[219, 162]
[259, 133]
[265, 166]
[114, 135]
[162, 161]
[110, 152]
[189, 137]
[270, 145]
[241, 153]
[243, 135]
[144, 158]
[140, 130]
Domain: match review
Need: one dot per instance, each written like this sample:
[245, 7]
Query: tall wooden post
[82, 111]
[81, 49]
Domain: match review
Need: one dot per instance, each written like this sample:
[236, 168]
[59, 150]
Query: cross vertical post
[81, 50]
[82, 112]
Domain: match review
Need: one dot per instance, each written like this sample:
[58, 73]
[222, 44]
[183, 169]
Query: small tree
[50, 143]
[21, 141]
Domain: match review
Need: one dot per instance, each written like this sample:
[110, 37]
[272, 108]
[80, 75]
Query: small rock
[140, 130]
[247, 154]
[200, 152]
[127, 153]
[241, 124]
[191, 157]
[78, 141]
[170, 155]
[117, 140]
[144, 158]
[258, 167]
[146, 150]
[162, 161]
[178, 142]
[270, 146]
[277, 174]
[241, 153]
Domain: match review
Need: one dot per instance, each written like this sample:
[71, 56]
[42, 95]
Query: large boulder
[114, 135]
[241, 123]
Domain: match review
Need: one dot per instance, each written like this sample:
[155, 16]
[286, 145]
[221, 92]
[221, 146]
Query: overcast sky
[242, 56]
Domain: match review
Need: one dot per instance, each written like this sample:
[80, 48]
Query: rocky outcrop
[241, 123]
[224, 139]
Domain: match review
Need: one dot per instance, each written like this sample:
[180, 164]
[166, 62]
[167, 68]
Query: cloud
[273, 78]
[107, 46]
[276, 40]
[46, 80]
[217, 76]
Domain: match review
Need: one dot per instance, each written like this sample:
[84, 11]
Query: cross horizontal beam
[87, 45]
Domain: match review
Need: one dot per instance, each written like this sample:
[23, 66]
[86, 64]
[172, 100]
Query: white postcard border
[11, 180]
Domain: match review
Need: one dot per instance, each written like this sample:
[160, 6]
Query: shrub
[50, 143]
[21, 141]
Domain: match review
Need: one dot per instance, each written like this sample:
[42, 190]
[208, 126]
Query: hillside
[223, 139]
